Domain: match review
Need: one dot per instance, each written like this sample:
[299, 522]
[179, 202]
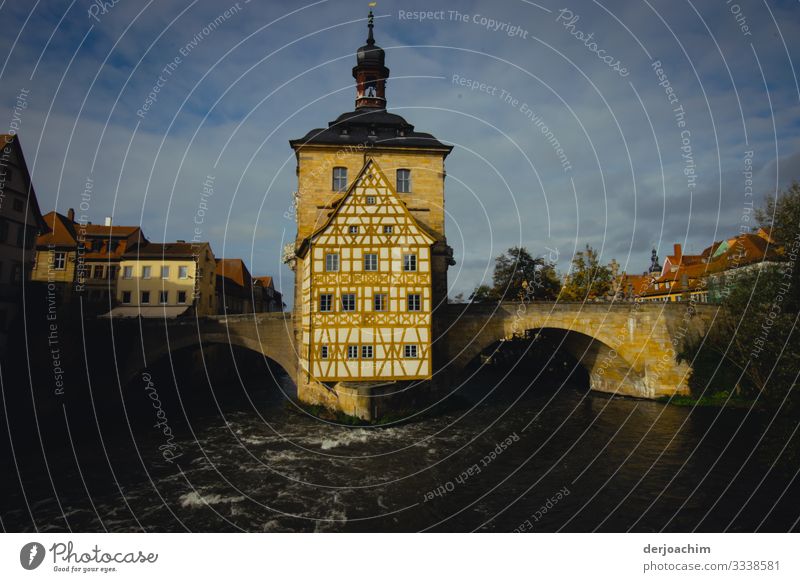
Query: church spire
[370, 72]
[370, 25]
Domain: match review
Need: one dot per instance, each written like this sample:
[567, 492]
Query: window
[3, 230]
[165, 272]
[370, 200]
[409, 262]
[387, 230]
[332, 262]
[380, 302]
[366, 352]
[323, 351]
[183, 272]
[413, 302]
[404, 180]
[145, 272]
[145, 296]
[325, 302]
[409, 351]
[370, 262]
[21, 236]
[59, 261]
[163, 297]
[182, 297]
[127, 272]
[126, 296]
[112, 273]
[353, 229]
[340, 179]
[352, 352]
[349, 302]
[19, 205]
[98, 272]
[16, 273]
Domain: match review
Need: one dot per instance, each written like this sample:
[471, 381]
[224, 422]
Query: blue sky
[271, 71]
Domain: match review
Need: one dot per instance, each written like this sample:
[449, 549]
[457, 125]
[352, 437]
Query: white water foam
[195, 499]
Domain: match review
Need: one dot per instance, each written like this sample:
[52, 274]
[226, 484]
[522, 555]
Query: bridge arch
[269, 336]
[626, 349]
[608, 370]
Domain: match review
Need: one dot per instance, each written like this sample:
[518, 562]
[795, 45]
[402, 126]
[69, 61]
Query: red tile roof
[235, 270]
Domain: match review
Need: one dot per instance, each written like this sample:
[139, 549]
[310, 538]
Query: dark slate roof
[371, 127]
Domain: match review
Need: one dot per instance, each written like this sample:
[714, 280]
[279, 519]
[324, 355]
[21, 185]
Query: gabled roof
[338, 204]
[234, 270]
[265, 281]
[64, 232]
[636, 284]
[61, 231]
[100, 230]
[175, 250]
[33, 202]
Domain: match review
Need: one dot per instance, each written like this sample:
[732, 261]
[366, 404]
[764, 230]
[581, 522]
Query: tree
[482, 294]
[781, 217]
[587, 279]
[518, 275]
[753, 341]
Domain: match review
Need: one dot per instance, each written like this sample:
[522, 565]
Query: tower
[370, 73]
[370, 256]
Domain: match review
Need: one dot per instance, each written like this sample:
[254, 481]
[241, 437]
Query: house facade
[367, 289]
[20, 222]
[82, 259]
[166, 280]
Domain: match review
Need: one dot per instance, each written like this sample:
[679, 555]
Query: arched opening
[219, 374]
[548, 359]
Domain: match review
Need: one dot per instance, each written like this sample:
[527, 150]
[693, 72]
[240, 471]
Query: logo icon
[31, 555]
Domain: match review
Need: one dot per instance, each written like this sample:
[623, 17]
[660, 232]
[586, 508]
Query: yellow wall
[43, 270]
[206, 301]
[315, 183]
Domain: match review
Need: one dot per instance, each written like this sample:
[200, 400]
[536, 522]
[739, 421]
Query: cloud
[271, 71]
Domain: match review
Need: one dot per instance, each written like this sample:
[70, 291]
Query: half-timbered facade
[366, 287]
[370, 257]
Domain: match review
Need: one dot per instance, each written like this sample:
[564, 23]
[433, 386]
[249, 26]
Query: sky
[624, 125]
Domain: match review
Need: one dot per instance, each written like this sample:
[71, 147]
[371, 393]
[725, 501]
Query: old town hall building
[371, 256]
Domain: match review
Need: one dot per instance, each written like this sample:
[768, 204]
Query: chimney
[71, 214]
[108, 221]
[678, 253]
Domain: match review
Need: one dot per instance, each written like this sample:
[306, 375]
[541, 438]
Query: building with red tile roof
[83, 258]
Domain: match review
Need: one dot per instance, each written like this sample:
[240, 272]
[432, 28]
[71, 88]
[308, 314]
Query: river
[500, 457]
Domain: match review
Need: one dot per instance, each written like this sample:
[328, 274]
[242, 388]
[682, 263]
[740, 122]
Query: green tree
[753, 344]
[482, 294]
[781, 217]
[519, 275]
[587, 279]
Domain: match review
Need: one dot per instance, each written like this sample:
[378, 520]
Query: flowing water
[499, 457]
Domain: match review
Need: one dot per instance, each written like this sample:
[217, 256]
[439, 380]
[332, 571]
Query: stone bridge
[626, 348]
[270, 334]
